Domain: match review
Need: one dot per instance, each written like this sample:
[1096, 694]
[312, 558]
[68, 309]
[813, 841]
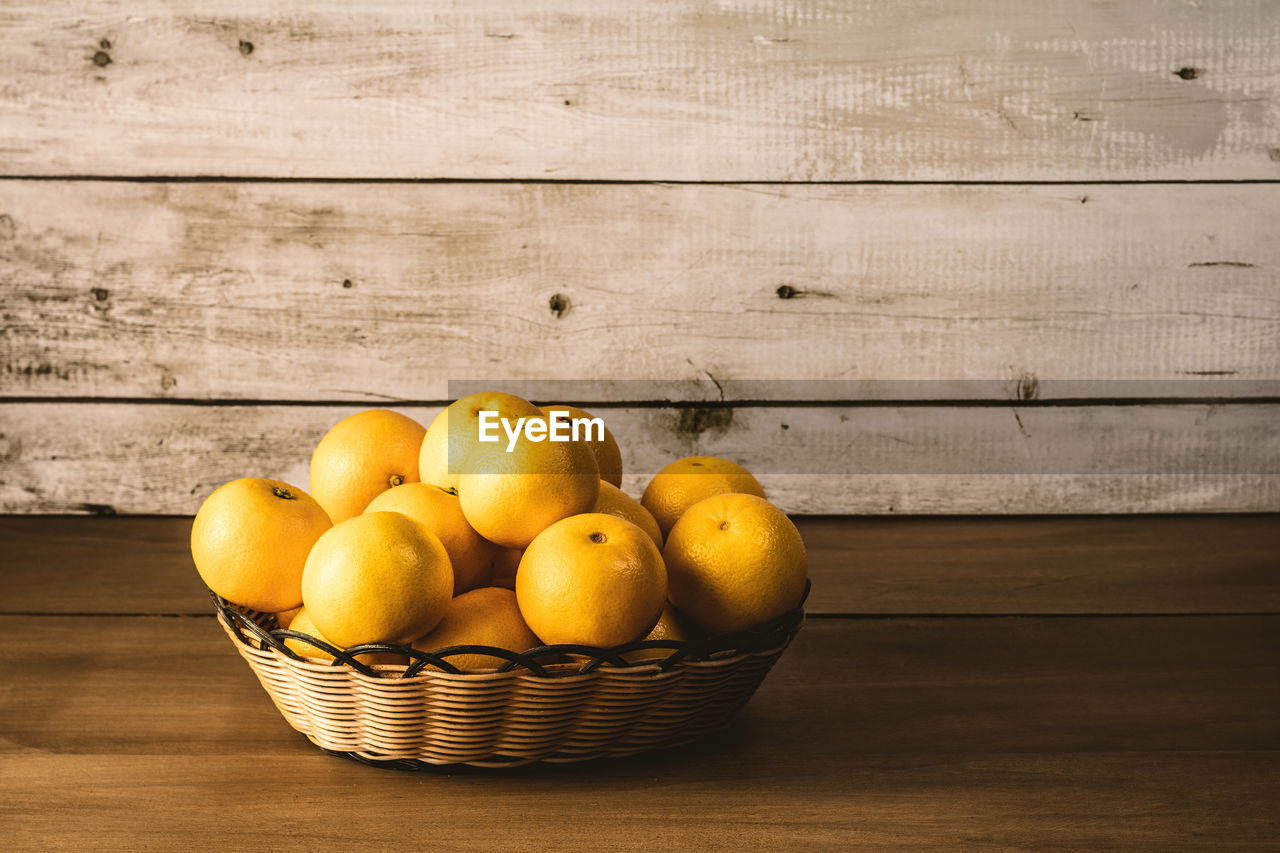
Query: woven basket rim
[247, 629]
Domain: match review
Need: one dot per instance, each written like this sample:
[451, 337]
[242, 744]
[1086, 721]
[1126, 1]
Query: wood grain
[372, 292]
[1112, 564]
[1117, 733]
[804, 90]
[880, 566]
[1184, 799]
[165, 458]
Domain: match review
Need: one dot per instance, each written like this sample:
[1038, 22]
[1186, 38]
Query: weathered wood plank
[992, 565]
[1149, 733]
[372, 292]
[800, 90]
[165, 458]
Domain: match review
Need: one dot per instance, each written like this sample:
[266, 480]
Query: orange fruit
[594, 579]
[455, 432]
[669, 627]
[505, 563]
[377, 578]
[303, 625]
[362, 457]
[470, 554]
[284, 617]
[734, 561]
[482, 617]
[250, 539]
[608, 454]
[614, 501]
[510, 498]
[686, 481]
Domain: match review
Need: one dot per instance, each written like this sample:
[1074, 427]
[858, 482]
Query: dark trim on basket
[762, 637]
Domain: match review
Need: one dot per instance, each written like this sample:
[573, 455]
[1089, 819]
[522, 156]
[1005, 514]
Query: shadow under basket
[536, 707]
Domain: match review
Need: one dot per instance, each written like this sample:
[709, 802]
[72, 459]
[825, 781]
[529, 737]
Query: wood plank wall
[221, 231]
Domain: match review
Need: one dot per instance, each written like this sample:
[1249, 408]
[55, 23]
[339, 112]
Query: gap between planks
[588, 182]
[729, 403]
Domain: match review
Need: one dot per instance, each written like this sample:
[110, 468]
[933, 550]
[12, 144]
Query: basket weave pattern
[597, 706]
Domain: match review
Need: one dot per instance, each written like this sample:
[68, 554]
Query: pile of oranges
[430, 537]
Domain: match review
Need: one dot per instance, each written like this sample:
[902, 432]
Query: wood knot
[1028, 387]
[246, 47]
[105, 44]
[10, 449]
[102, 59]
[1187, 72]
[786, 291]
[694, 422]
[559, 304]
[347, 283]
[101, 294]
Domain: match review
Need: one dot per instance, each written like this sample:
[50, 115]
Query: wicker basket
[534, 708]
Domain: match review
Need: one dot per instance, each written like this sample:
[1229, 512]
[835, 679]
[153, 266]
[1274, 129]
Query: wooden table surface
[1085, 682]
